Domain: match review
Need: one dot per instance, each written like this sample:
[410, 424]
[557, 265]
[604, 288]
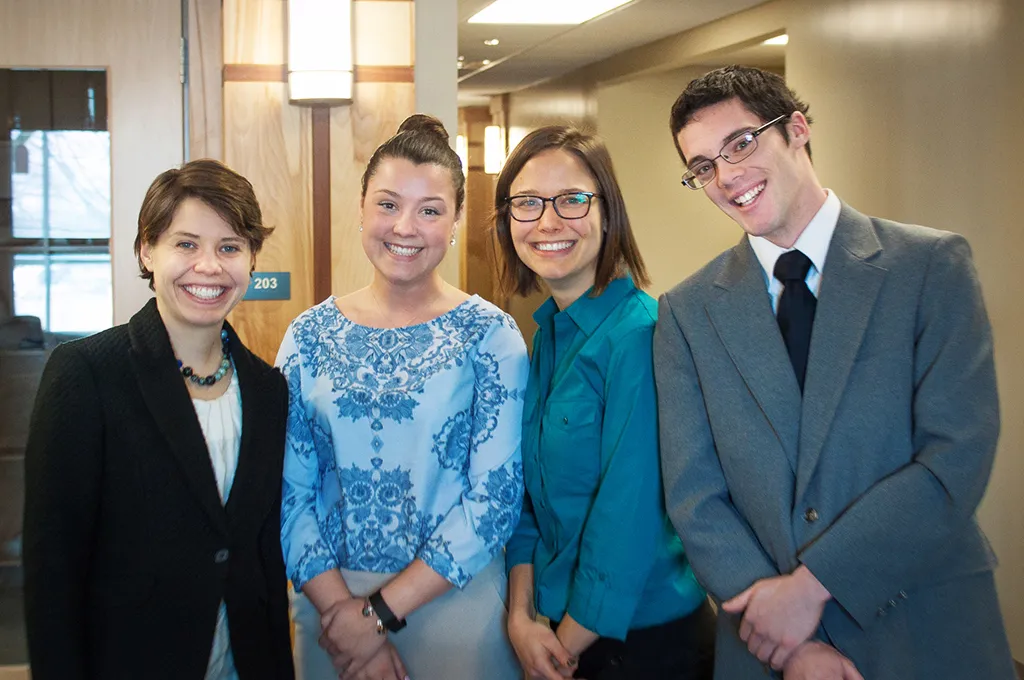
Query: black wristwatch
[384, 613]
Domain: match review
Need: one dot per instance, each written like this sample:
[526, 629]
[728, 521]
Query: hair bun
[421, 123]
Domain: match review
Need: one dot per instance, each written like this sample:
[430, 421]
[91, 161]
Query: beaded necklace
[225, 364]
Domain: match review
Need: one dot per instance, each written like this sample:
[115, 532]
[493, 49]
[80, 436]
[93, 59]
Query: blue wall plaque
[270, 286]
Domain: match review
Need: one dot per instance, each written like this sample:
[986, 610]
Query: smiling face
[409, 217]
[772, 193]
[200, 267]
[563, 252]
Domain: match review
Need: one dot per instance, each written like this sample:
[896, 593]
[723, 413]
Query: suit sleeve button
[882, 612]
[903, 594]
[892, 603]
[810, 515]
[221, 556]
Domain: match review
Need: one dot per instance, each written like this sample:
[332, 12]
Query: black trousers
[683, 649]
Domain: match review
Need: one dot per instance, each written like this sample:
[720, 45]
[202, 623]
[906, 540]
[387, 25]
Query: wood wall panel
[479, 275]
[356, 131]
[269, 142]
[138, 45]
[255, 31]
[205, 57]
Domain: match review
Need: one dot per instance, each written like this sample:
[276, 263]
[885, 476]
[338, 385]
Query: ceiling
[528, 55]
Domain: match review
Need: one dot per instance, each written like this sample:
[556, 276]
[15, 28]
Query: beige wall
[143, 90]
[918, 113]
[678, 230]
[918, 108]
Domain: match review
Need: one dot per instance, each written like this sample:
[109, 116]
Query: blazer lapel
[168, 400]
[849, 288]
[742, 317]
[260, 413]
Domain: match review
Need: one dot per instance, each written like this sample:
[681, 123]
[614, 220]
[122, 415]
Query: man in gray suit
[828, 413]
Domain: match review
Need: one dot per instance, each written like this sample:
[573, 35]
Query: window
[55, 217]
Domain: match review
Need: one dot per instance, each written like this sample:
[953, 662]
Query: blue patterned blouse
[403, 443]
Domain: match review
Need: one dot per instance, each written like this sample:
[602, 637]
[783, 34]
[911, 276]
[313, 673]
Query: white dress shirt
[813, 243]
[221, 422]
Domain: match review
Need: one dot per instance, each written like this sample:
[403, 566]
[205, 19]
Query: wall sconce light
[462, 149]
[494, 150]
[320, 68]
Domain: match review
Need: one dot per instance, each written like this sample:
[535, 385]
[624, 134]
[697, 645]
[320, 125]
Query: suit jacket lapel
[258, 420]
[742, 317]
[168, 400]
[849, 288]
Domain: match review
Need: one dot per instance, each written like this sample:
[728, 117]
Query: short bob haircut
[619, 253]
[763, 93]
[213, 183]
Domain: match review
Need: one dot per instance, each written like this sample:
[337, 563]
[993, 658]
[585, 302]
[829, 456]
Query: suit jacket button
[221, 556]
[810, 515]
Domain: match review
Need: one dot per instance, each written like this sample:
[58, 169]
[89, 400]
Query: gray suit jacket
[872, 478]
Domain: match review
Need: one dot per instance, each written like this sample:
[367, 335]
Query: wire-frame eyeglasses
[702, 173]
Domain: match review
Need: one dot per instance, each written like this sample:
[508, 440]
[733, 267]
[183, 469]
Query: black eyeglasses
[702, 173]
[569, 206]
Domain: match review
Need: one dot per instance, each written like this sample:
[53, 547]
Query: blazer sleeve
[724, 552]
[63, 464]
[955, 428]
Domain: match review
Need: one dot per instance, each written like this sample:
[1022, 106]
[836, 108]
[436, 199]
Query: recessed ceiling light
[492, 42]
[538, 12]
[486, 62]
[777, 40]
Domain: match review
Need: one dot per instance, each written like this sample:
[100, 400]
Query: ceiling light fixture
[492, 42]
[486, 62]
[544, 12]
[777, 40]
[462, 149]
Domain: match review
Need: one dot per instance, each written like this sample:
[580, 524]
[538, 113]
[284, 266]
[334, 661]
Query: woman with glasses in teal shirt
[594, 551]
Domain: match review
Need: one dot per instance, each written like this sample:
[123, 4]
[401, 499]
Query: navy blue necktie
[796, 309]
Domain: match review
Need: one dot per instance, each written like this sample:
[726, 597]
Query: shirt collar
[813, 242]
[588, 312]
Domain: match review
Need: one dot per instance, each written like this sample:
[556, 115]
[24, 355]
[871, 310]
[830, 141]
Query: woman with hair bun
[402, 475]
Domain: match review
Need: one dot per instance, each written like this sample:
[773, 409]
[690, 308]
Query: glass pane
[80, 293]
[30, 286]
[60, 183]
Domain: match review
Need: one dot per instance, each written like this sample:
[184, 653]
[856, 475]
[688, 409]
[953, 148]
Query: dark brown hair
[619, 253]
[763, 93]
[213, 183]
[421, 139]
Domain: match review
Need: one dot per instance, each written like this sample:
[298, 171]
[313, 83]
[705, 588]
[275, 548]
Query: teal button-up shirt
[594, 524]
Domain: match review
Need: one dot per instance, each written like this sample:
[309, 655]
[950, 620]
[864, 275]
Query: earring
[452, 242]
[360, 227]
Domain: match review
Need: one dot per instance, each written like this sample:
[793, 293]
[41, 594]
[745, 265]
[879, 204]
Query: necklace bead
[225, 363]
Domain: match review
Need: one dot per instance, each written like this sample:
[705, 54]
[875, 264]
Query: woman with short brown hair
[153, 466]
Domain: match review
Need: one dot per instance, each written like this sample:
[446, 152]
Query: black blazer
[128, 551]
